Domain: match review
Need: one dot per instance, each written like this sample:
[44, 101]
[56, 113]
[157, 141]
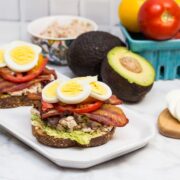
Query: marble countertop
[158, 160]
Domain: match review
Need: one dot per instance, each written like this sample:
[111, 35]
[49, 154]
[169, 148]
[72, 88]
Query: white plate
[133, 136]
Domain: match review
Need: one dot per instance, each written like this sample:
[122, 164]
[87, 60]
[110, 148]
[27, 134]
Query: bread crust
[16, 101]
[47, 140]
[168, 126]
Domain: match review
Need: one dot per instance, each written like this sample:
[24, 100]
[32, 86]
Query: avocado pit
[131, 64]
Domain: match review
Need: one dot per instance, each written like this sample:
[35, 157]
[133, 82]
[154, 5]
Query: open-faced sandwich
[76, 112]
[23, 74]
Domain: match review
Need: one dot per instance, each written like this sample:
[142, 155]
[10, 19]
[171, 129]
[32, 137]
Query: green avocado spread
[78, 136]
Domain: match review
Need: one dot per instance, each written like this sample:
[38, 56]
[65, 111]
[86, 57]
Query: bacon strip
[101, 119]
[53, 112]
[114, 100]
[109, 115]
[17, 87]
[47, 71]
[49, 114]
[7, 86]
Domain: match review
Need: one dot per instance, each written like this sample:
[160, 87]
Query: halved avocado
[129, 75]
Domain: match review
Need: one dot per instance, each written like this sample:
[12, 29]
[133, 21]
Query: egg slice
[100, 91]
[2, 58]
[73, 91]
[177, 110]
[173, 103]
[173, 95]
[49, 92]
[21, 56]
[86, 79]
[174, 108]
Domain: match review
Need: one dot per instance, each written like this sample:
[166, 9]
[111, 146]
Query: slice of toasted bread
[16, 101]
[45, 139]
[168, 125]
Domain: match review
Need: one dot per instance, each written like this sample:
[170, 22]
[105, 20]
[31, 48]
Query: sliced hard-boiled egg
[174, 94]
[173, 103]
[86, 79]
[21, 56]
[2, 58]
[49, 93]
[73, 91]
[100, 91]
[174, 108]
[177, 111]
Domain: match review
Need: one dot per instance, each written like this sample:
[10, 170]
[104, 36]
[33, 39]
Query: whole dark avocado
[129, 75]
[87, 52]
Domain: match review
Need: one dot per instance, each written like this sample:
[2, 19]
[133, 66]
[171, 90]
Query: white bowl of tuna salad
[55, 34]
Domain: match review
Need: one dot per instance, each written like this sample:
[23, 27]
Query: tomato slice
[9, 75]
[46, 106]
[80, 108]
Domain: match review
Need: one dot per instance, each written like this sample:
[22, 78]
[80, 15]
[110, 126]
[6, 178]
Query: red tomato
[80, 108]
[46, 106]
[9, 75]
[159, 19]
[177, 36]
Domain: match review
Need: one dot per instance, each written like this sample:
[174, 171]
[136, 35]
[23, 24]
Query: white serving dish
[133, 136]
[39, 25]
[55, 49]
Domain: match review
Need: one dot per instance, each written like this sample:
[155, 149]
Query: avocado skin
[87, 52]
[128, 92]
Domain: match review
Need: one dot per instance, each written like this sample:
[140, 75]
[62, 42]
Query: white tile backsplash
[9, 9]
[104, 28]
[97, 10]
[24, 35]
[70, 7]
[114, 12]
[9, 31]
[12, 12]
[32, 9]
[116, 31]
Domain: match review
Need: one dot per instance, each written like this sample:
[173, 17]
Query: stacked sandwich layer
[77, 112]
[23, 74]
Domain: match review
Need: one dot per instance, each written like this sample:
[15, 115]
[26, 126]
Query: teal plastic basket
[163, 55]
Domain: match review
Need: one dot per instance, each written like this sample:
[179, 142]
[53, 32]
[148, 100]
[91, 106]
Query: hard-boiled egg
[100, 91]
[173, 103]
[21, 56]
[73, 91]
[2, 58]
[49, 92]
[86, 79]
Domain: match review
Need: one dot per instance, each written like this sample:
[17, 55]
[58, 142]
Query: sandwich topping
[2, 59]
[82, 106]
[23, 69]
[173, 102]
[36, 88]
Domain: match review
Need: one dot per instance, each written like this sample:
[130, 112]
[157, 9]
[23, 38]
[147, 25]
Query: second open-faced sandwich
[76, 112]
[23, 74]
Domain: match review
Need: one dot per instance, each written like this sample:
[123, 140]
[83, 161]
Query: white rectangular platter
[135, 135]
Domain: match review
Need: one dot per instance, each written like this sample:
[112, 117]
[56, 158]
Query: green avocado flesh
[78, 136]
[143, 75]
